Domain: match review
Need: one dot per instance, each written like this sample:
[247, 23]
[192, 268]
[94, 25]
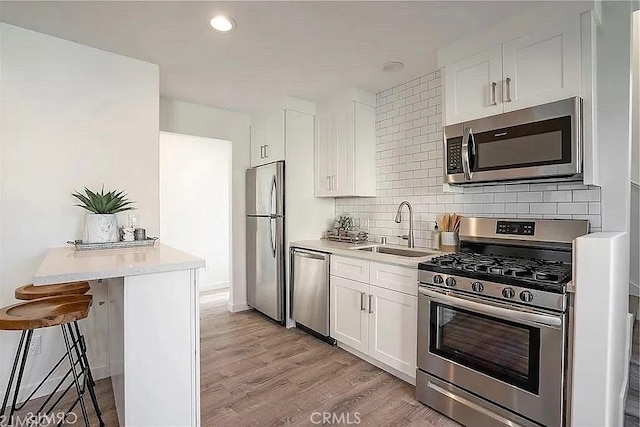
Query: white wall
[613, 101]
[634, 273]
[198, 120]
[195, 181]
[71, 116]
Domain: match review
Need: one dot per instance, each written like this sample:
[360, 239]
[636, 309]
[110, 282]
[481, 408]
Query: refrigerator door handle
[272, 216]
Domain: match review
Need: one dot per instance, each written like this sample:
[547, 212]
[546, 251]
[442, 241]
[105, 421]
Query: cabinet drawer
[396, 278]
[350, 268]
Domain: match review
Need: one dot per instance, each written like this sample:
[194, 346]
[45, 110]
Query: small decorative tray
[150, 241]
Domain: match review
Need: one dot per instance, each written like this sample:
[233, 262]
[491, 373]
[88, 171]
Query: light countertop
[351, 250]
[66, 265]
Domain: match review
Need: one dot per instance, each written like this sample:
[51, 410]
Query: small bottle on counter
[435, 238]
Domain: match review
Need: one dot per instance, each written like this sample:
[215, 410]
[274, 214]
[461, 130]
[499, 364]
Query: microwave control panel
[454, 155]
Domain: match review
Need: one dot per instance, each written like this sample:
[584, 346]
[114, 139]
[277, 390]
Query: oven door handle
[466, 154]
[489, 309]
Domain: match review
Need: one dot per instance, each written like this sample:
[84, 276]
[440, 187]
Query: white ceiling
[309, 50]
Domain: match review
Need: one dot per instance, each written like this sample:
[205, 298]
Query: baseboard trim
[377, 364]
[99, 372]
[236, 308]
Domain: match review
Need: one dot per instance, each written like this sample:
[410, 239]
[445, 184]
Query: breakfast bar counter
[154, 354]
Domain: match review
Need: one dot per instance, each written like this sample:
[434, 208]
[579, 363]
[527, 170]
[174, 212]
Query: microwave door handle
[466, 154]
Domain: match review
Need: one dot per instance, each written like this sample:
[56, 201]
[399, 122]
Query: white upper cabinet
[267, 137]
[473, 86]
[323, 154]
[345, 147]
[536, 68]
[541, 67]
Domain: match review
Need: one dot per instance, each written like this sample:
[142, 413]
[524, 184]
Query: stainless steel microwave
[533, 143]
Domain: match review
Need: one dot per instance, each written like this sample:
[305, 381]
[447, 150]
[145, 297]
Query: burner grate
[546, 271]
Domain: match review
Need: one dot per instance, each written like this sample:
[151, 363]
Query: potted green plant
[101, 223]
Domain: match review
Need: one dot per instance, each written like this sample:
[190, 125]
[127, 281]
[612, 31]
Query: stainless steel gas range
[493, 323]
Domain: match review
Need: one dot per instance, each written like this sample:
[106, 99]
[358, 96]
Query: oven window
[533, 144]
[503, 350]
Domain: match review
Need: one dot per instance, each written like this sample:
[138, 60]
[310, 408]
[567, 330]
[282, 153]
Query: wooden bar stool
[42, 313]
[31, 292]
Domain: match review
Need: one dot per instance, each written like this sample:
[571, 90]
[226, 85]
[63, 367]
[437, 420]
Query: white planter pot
[101, 228]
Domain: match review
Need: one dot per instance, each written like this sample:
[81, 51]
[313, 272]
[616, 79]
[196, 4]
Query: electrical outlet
[35, 348]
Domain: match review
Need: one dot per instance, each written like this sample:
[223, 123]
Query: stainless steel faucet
[408, 237]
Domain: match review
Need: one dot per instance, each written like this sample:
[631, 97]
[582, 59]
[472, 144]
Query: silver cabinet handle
[362, 307]
[493, 93]
[508, 82]
[328, 183]
[334, 182]
[370, 304]
[262, 151]
[266, 151]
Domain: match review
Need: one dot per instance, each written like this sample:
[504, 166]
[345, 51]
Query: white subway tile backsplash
[505, 197]
[410, 166]
[557, 196]
[542, 208]
[573, 208]
[530, 196]
[586, 195]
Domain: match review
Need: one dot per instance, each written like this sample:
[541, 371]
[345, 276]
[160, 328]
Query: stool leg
[23, 363]
[5, 400]
[75, 375]
[82, 355]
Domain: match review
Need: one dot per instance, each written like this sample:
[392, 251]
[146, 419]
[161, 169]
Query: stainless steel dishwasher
[310, 292]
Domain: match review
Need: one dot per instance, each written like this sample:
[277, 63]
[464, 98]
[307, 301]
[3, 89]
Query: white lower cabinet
[393, 329]
[349, 319]
[377, 321]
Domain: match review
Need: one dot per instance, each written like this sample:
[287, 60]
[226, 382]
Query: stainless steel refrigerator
[265, 240]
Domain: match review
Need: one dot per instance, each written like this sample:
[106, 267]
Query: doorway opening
[195, 209]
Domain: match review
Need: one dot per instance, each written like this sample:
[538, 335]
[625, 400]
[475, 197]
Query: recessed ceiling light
[222, 23]
[393, 66]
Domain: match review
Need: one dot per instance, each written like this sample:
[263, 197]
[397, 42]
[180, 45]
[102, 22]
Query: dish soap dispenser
[435, 238]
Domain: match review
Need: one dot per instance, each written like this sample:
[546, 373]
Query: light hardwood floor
[257, 373]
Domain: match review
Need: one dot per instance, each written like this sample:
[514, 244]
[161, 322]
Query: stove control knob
[477, 287]
[526, 296]
[451, 282]
[437, 279]
[508, 293]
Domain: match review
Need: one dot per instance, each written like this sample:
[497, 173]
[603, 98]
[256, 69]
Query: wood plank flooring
[257, 373]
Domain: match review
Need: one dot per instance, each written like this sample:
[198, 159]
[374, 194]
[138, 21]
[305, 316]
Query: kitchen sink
[395, 251]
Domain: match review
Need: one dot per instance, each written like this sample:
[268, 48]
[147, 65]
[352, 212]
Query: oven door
[511, 356]
[533, 143]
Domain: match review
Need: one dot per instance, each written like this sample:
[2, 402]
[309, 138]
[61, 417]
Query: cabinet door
[348, 309]
[274, 149]
[472, 87]
[541, 67]
[393, 329]
[364, 163]
[322, 155]
[258, 142]
[342, 179]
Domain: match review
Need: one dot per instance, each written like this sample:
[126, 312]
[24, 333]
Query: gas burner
[545, 275]
[518, 272]
[496, 269]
